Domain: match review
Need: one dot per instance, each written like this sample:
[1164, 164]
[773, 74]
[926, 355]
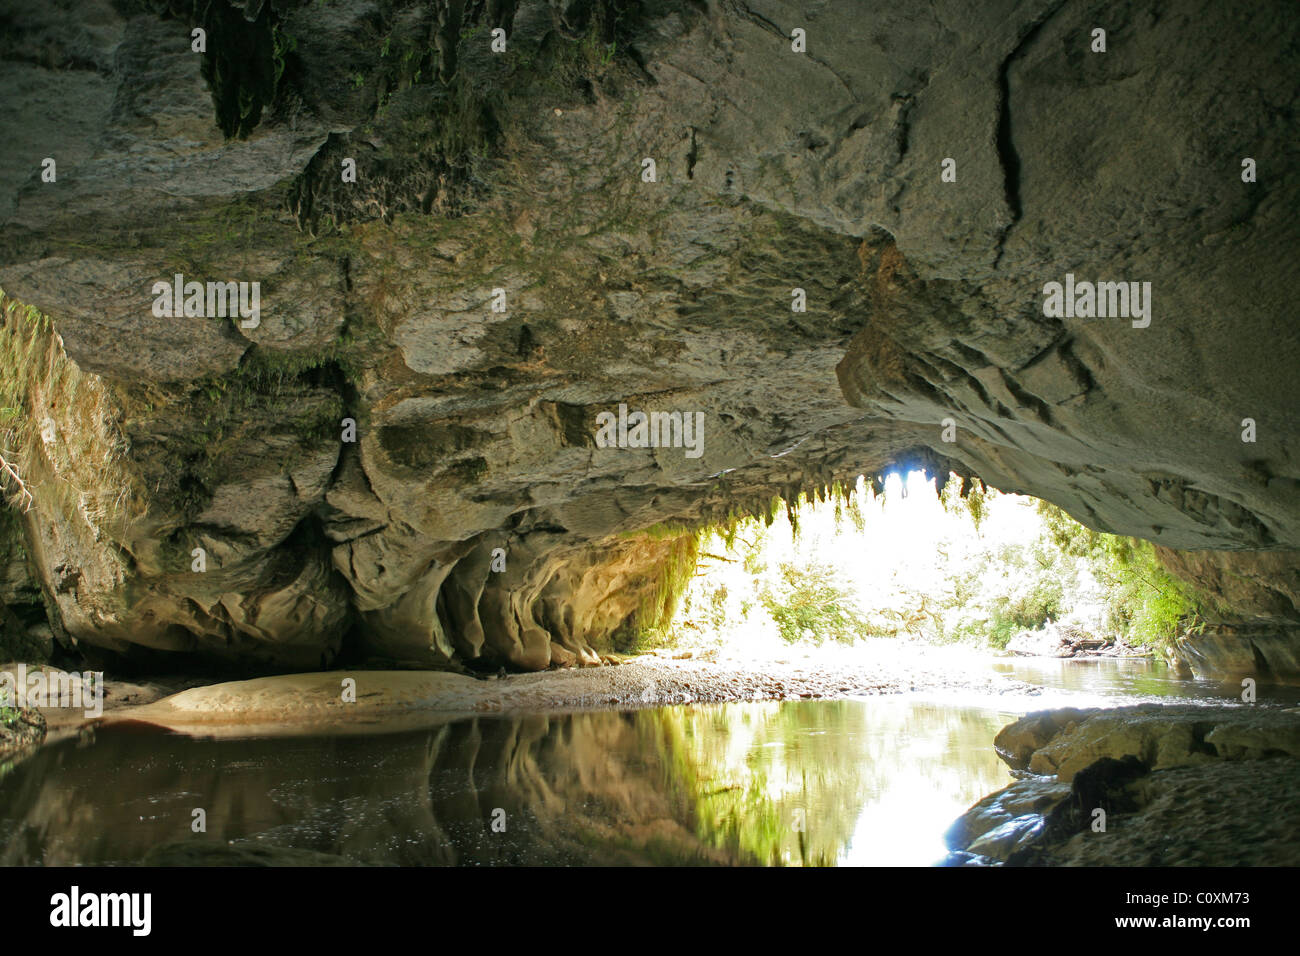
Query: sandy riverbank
[317, 701]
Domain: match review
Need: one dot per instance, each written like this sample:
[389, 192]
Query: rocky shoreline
[1148, 785]
[1070, 640]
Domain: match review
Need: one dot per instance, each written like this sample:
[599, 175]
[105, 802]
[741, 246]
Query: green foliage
[657, 608]
[811, 601]
[1003, 591]
[283, 46]
[961, 493]
[559, 68]
[846, 507]
[750, 801]
[1148, 604]
[981, 588]
[1027, 610]
[37, 381]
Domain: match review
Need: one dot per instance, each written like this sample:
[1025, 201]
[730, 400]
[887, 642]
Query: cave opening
[484, 501]
[917, 562]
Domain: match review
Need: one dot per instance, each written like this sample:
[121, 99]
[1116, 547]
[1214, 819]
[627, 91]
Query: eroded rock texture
[522, 171]
[1178, 786]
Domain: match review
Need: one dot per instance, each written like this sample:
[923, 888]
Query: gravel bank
[317, 701]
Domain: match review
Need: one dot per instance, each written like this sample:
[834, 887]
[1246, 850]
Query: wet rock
[1004, 840]
[336, 697]
[1155, 738]
[1226, 651]
[1230, 768]
[1158, 739]
[1255, 739]
[1063, 742]
[1001, 820]
[1017, 742]
[1099, 791]
[1258, 638]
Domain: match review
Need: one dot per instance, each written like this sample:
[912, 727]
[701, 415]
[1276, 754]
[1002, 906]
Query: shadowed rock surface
[1063, 742]
[1179, 786]
[521, 171]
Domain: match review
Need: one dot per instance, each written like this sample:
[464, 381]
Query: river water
[866, 781]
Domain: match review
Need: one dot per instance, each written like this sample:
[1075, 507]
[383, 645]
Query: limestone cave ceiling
[459, 248]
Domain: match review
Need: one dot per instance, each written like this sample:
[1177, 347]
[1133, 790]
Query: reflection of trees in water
[754, 773]
[723, 784]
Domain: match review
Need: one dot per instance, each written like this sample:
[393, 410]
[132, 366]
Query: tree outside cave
[920, 565]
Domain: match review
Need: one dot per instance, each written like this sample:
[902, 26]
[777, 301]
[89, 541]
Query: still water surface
[870, 781]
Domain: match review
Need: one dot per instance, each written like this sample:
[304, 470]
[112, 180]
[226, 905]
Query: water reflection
[869, 782]
[816, 782]
[853, 781]
[1124, 681]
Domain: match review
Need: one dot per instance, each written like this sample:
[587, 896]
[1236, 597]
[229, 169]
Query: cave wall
[1247, 627]
[522, 171]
